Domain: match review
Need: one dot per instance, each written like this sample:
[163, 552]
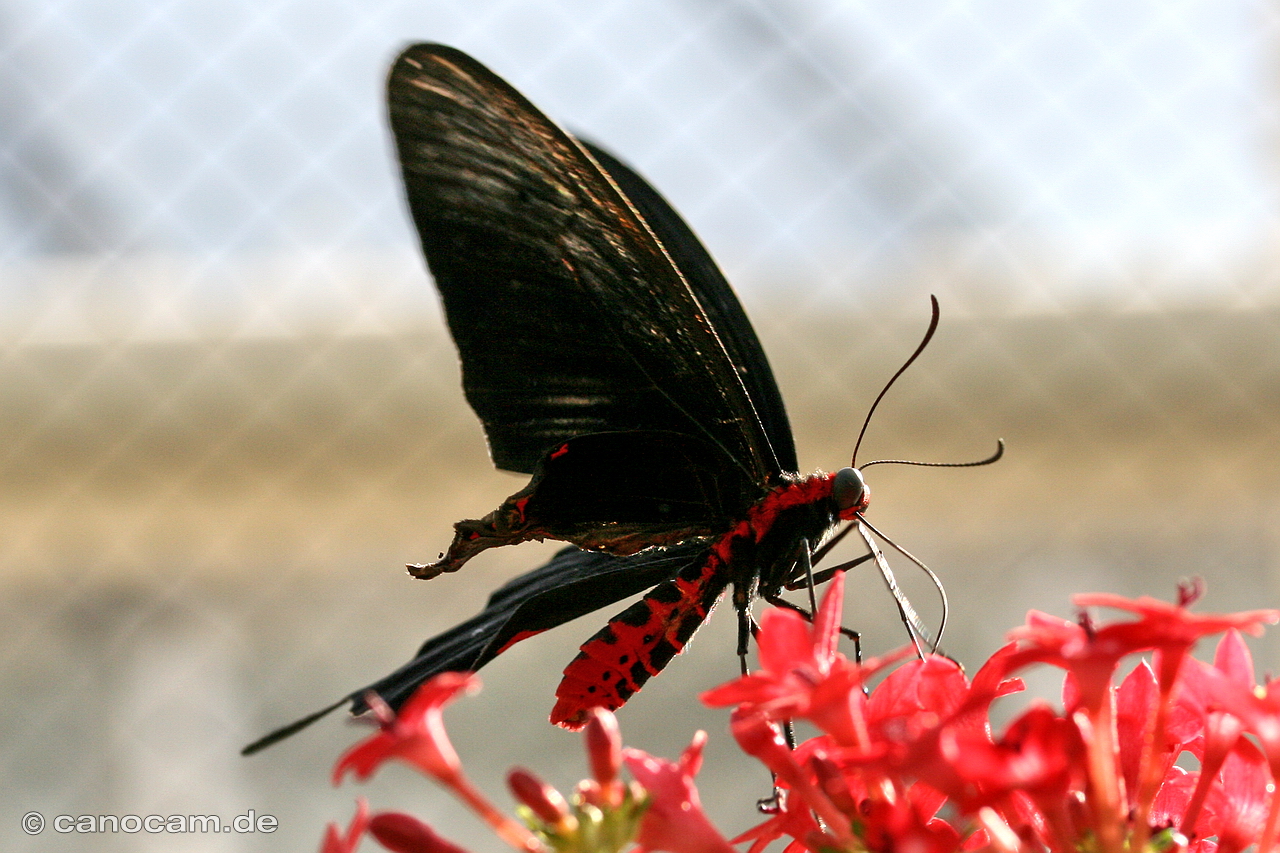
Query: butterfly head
[849, 491]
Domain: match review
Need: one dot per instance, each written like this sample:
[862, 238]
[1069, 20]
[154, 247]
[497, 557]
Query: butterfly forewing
[572, 584]
[568, 313]
[716, 297]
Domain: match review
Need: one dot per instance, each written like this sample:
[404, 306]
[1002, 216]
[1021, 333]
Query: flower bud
[604, 746]
[402, 833]
[544, 800]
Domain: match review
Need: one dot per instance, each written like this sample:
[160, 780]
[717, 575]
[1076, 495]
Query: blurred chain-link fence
[231, 414]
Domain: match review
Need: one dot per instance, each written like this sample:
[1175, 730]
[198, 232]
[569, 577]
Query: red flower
[915, 703]
[1238, 802]
[1090, 653]
[795, 658]
[888, 761]
[604, 813]
[912, 764]
[794, 822]
[674, 820]
[403, 833]
[906, 824]
[1040, 754]
[416, 735]
[761, 739]
[542, 799]
[1164, 624]
[335, 841]
[801, 674]
[604, 753]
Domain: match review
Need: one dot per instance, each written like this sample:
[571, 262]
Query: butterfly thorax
[765, 548]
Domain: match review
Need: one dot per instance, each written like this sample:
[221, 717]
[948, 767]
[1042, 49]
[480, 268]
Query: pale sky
[812, 138]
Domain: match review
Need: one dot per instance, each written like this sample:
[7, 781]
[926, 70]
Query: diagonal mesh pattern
[231, 412]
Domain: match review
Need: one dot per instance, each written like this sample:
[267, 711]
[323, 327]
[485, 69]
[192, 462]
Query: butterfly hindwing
[572, 584]
[617, 492]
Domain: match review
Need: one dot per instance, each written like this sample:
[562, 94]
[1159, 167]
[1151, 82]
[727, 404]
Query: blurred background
[229, 412]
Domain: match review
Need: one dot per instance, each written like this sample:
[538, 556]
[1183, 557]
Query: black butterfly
[607, 356]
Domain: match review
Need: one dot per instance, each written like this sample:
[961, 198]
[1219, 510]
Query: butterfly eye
[848, 488]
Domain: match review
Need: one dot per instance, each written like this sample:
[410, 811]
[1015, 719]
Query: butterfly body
[758, 557]
[608, 357]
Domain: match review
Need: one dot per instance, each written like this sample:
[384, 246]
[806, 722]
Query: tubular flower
[337, 841]
[416, 735]
[1170, 755]
[674, 820]
[912, 763]
[402, 833]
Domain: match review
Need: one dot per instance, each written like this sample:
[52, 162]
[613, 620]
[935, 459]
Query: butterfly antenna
[915, 626]
[928, 335]
[995, 457]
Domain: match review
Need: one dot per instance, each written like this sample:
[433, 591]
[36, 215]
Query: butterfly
[608, 358]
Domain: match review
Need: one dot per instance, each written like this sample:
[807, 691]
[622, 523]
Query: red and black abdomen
[757, 556]
[638, 643]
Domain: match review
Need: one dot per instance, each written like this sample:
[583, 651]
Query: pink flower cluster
[1176, 755]
[604, 815]
[912, 763]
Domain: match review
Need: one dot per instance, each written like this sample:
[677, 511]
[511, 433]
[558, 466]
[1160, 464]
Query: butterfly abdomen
[641, 640]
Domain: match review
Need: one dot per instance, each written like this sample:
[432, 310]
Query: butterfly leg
[747, 629]
[819, 578]
[855, 636]
[771, 804]
[803, 576]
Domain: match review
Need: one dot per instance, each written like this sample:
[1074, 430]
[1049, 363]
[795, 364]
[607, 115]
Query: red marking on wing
[560, 451]
[523, 635]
